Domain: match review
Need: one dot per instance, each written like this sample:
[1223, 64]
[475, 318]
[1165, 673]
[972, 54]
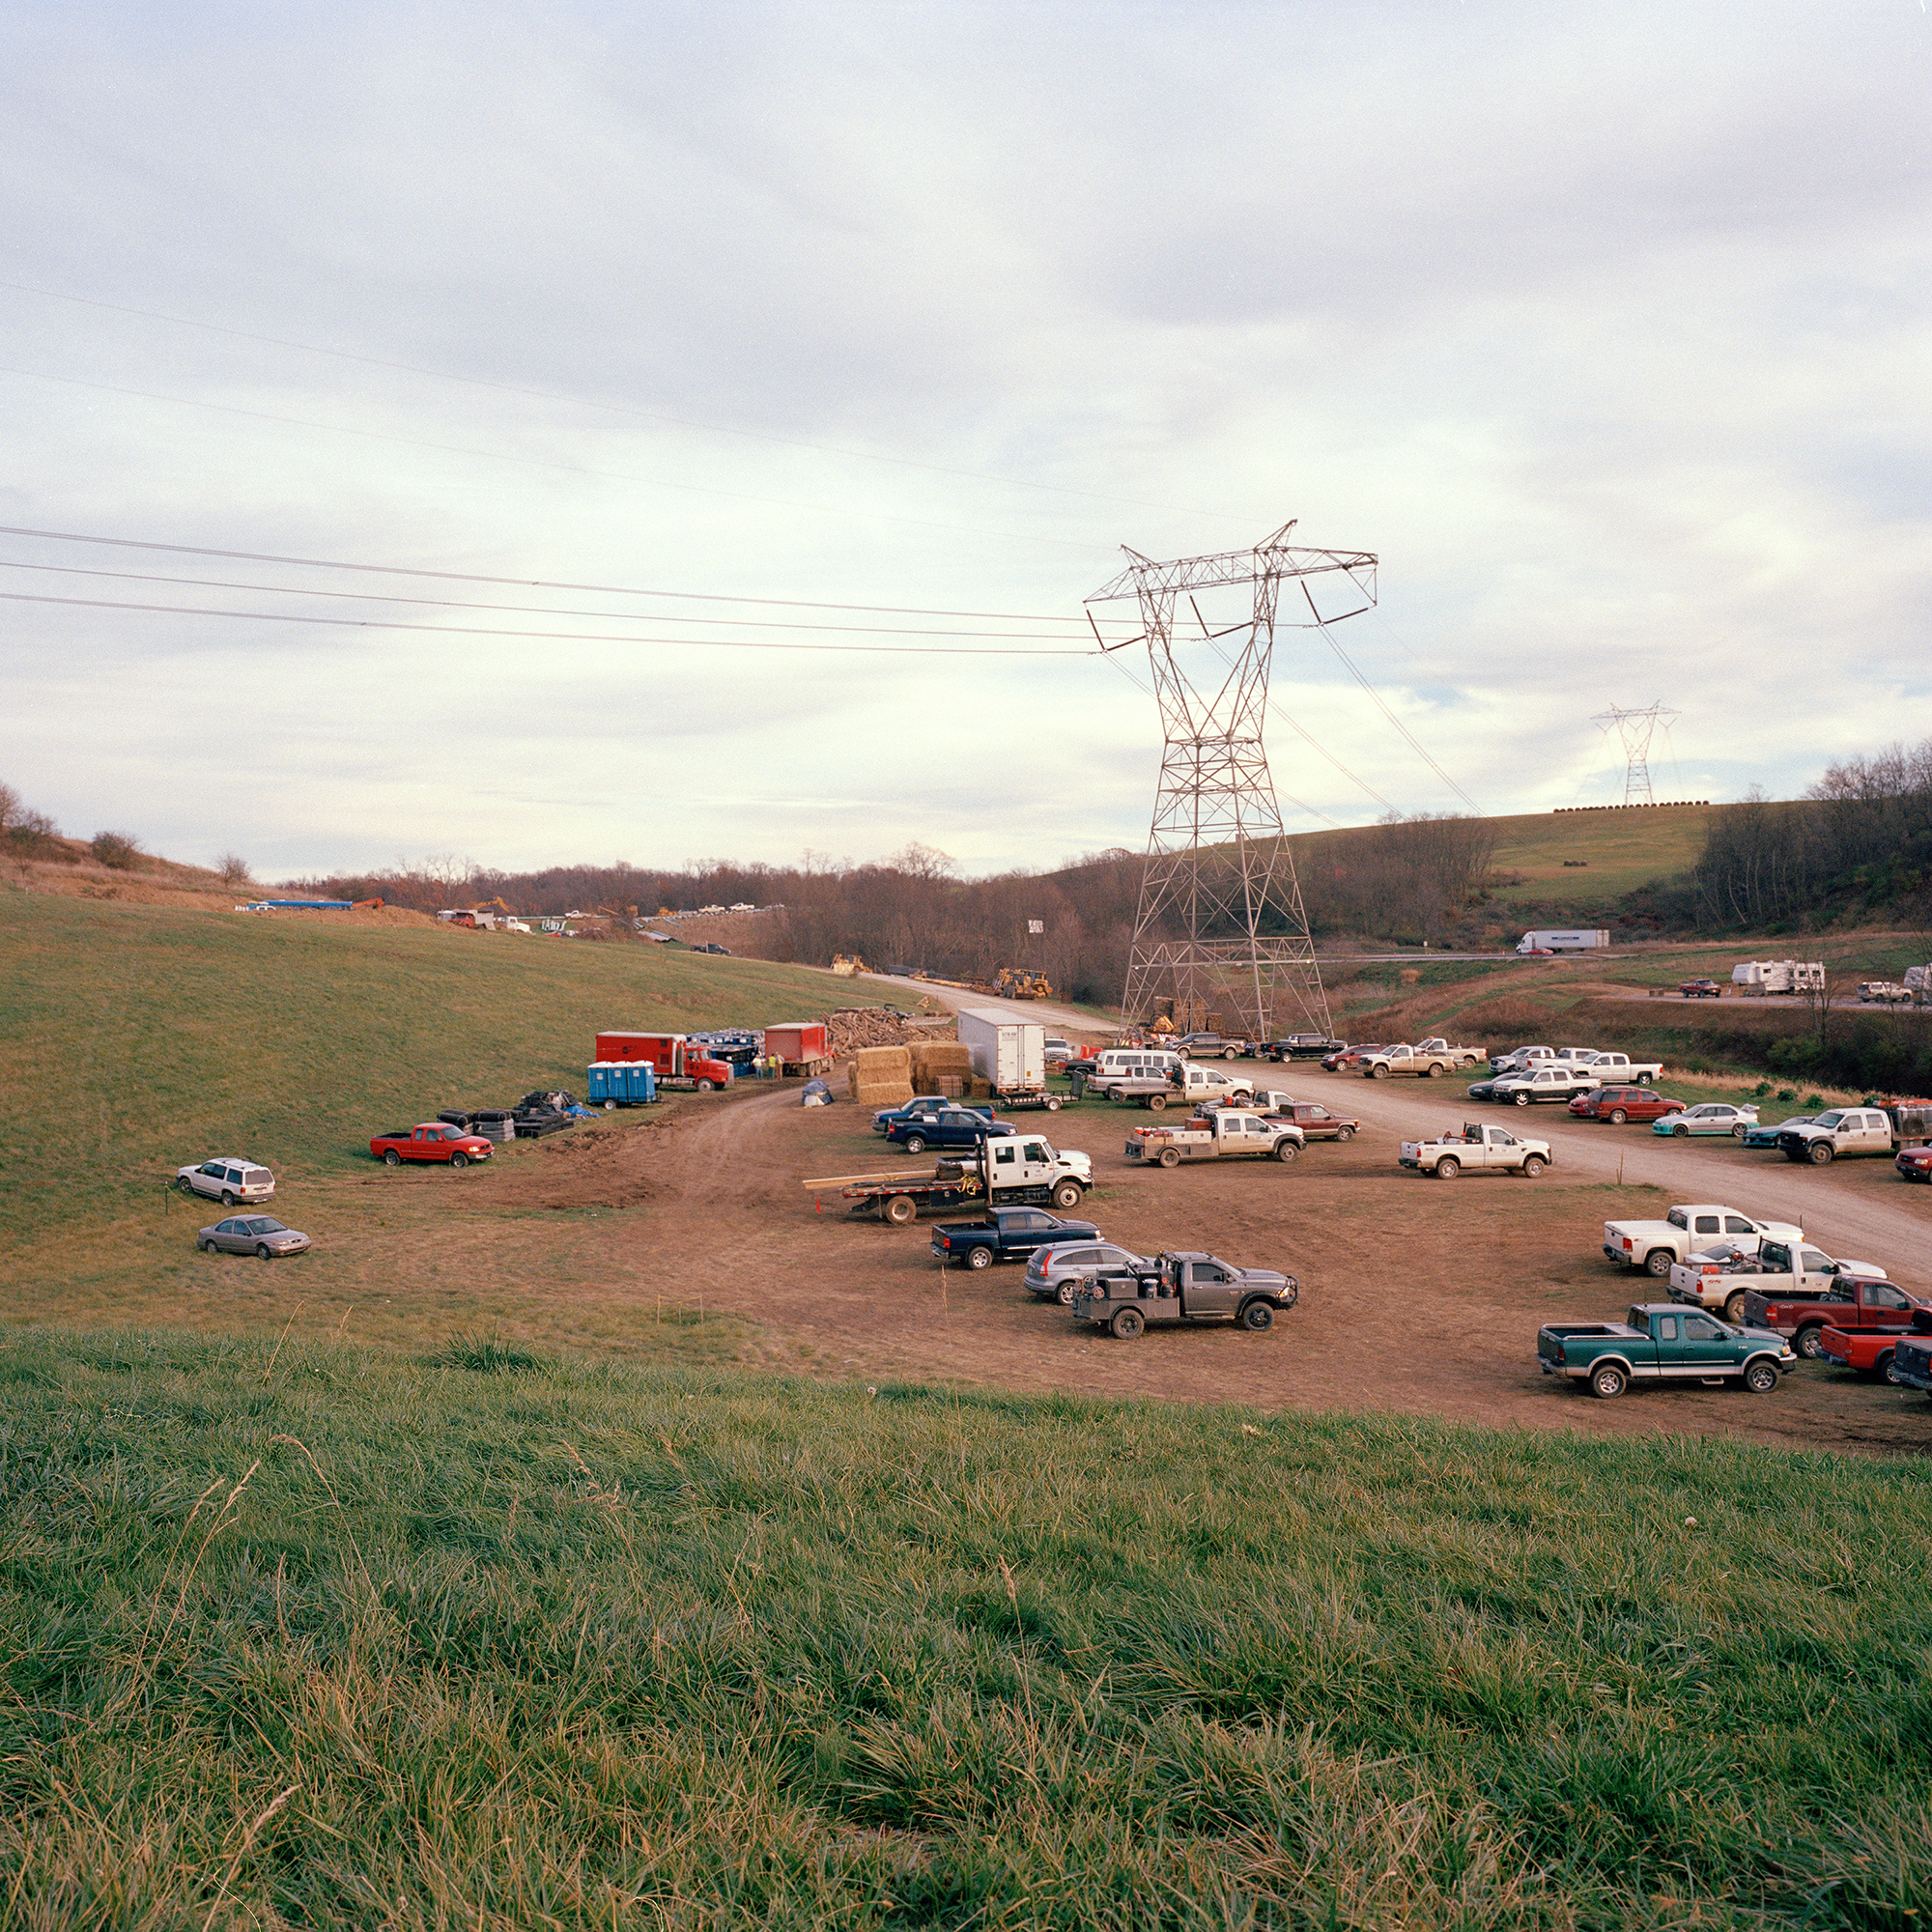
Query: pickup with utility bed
[1657, 1246]
[1007, 1169]
[1184, 1288]
[1006, 1235]
[1227, 1132]
[1851, 1301]
[1720, 1280]
[1478, 1145]
[1661, 1342]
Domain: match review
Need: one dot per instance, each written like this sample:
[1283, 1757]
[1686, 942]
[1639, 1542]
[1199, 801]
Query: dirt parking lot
[1418, 1295]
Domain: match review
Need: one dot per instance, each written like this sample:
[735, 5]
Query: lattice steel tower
[1635, 727]
[1221, 926]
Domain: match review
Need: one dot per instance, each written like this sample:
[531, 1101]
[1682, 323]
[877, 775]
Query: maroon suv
[1618, 1104]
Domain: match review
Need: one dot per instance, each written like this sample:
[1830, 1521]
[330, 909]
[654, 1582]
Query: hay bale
[883, 1093]
[883, 1063]
[949, 1086]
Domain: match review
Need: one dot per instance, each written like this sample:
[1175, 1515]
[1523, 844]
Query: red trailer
[802, 1045]
[672, 1056]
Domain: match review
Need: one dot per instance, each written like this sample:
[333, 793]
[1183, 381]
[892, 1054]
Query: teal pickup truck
[1660, 1342]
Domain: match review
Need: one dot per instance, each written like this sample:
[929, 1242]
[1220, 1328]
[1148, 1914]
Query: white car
[227, 1178]
[1708, 1117]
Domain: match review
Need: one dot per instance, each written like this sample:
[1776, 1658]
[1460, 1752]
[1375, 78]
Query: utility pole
[1221, 927]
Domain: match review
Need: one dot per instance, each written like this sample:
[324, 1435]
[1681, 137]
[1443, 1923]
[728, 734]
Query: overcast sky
[1603, 328]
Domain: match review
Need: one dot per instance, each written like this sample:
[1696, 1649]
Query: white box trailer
[1757, 976]
[1008, 1055]
[1563, 939]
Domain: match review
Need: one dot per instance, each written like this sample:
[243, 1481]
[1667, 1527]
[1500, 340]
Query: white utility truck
[1227, 1132]
[1478, 1145]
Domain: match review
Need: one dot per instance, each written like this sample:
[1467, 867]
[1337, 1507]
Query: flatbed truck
[1012, 1170]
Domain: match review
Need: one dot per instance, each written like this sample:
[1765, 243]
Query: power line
[1414, 744]
[526, 583]
[533, 610]
[614, 408]
[541, 463]
[549, 637]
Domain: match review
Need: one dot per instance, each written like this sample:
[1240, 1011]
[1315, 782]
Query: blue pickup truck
[1660, 1342]
[922, 1103]
[947, 1127]
[1006, 1235]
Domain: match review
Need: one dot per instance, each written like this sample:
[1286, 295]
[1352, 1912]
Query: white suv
[227, 1178]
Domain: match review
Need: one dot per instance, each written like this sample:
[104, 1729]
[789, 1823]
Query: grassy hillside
[313, 1636]
[134, 1039]
[1618, 850]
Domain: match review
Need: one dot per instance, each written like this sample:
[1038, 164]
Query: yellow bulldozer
[1016, 983]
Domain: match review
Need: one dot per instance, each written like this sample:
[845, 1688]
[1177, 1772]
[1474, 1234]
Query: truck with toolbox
[1870, 1352]
[1006, 1235]
[1850, 1301]
[1184, 1288]
[1659, 1342]
[1843, 1133]
[1194, 1086]
[1010, 1056]
[1479, 1146]
[1301, 1046]
[1422, 1063]
[1657, 1246]
[1227, 1133]
[1007, 1169]
[1722, 1279]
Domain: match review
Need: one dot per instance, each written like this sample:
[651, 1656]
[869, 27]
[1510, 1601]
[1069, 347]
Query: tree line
[1404, 878]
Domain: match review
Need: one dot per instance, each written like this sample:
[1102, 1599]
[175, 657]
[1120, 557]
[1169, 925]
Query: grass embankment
[311, 1635]
[136, 1038]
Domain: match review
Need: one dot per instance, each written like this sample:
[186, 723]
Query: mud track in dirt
[1417, 1296]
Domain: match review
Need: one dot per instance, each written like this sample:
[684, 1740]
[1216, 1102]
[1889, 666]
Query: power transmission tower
[1635, 727]
[1221, 926]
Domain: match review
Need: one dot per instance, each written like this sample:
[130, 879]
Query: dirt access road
[1418, 1297]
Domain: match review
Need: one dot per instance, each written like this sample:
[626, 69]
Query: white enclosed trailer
[1008, 1055]
[1563, 939]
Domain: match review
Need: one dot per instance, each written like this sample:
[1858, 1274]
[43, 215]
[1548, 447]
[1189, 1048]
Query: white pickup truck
[1227, 1132]
[1619, 1070]
[1843, 1132]
[1196, 1085]
[1477, 1145]
[1657, 1246]
[1721, 1281]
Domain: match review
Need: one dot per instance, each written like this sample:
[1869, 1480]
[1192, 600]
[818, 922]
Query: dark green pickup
[1660, 1342]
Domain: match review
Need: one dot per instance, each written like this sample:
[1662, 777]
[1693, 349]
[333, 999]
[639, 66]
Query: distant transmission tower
[1635, 727]
[1221, 926]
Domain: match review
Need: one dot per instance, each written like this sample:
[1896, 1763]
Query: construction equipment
[847, 964]
[1015, 982]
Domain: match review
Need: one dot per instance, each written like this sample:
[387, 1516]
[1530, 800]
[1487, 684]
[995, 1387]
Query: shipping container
[1563, 939]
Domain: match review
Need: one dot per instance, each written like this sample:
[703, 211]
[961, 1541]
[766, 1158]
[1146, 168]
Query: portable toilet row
[622, 1083]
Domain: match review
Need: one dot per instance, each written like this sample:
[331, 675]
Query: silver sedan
[259, 1235]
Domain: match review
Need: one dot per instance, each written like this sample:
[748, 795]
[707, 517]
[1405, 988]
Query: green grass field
[310, 1635]
[135, 1039]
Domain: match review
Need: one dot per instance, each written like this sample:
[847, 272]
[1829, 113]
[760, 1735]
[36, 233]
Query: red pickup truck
[1868, 1351]
[1852, 1302]
[433, 1140]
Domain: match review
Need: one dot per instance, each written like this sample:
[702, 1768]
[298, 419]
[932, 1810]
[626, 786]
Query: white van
[1133, 1062]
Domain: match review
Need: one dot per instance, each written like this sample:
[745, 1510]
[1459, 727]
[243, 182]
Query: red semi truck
[674, 1056]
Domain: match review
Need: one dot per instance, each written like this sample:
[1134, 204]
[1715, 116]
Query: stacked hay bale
[880, 1077]
[941, 1067]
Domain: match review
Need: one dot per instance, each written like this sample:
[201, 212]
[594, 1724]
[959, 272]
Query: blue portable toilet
[603, 1082]
[641, 1082]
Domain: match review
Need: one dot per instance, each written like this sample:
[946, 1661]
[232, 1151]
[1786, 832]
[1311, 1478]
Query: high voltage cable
[549, 637]
[614, 408]
[1414, 744]
[527, 582]
[543, 463]
[533, 610]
